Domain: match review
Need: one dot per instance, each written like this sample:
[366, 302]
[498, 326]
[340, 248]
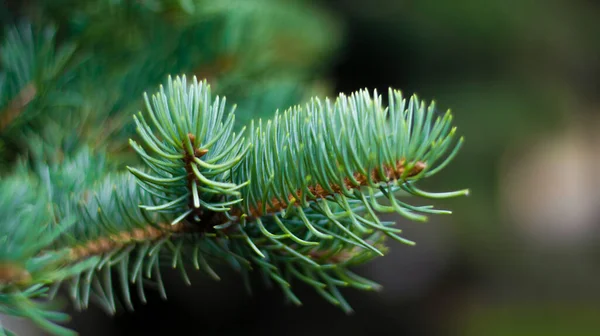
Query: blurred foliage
[262, 54]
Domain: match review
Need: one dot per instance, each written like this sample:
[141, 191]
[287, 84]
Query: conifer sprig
[308, 184]
[297, 200]
[350, 150]
[100, 235]
[193, 151]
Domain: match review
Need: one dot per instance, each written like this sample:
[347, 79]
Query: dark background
[520, 255]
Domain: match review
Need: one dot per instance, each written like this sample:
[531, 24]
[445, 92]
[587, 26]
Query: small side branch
[106, 244]
[391, 173]
[17, 105]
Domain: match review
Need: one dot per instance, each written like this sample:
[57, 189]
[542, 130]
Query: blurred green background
[521, 254]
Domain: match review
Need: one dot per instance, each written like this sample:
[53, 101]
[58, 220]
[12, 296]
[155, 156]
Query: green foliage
[196, 142]
[296, 198]
[34, 73]
[201, 169]
[309, 188]
[26, 230]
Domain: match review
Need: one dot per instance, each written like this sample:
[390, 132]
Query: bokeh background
[521, 254]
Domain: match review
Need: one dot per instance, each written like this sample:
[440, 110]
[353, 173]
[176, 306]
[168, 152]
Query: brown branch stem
[390, 172]
[138, 235]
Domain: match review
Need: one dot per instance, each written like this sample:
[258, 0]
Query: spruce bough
[297, 198]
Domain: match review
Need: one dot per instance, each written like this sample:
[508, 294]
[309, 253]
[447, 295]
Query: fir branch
[310, 179]
[108, 237]
[298, 200]
[328, 153]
